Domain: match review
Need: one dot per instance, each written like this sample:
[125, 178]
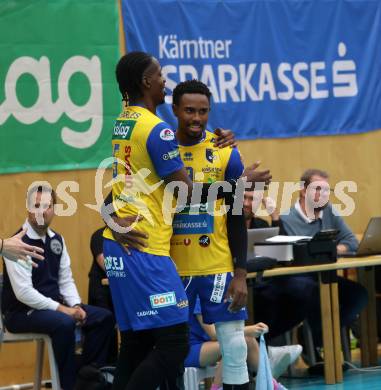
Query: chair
[193, 376]
[41, 339]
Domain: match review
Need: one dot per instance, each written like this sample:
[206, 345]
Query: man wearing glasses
[312, 213]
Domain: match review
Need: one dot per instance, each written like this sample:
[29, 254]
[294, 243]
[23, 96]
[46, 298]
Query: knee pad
[234, 352]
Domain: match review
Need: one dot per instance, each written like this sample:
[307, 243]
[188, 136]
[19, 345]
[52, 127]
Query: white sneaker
[282, 357]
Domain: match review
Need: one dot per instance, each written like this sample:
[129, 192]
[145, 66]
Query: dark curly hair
[129, 73]
[190, 86]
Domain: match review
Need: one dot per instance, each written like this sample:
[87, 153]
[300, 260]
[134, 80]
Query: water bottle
[78, 340]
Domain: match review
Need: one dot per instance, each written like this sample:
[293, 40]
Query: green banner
[58, 94]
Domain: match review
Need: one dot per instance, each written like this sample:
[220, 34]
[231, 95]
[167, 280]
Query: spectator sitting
[270, 306]
[251, 203]
[45, 299]
[99, 294]
[262, 291]
[312, 213]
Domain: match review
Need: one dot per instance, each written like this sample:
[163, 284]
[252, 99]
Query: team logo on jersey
[56, 246]
[123, 130]
[163, 300]
[171, 154]
[114, 267]
[183, 304]
[209, 155]
[187, 241]
[167, 135]
[188, 156]
[204, 241]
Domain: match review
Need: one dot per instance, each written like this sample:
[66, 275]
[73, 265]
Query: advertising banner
[280, 68]
[58, 95]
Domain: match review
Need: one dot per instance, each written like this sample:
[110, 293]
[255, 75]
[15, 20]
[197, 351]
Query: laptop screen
[371, 241]
[258, 235]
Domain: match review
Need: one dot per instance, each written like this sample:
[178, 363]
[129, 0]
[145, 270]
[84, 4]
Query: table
[333, 371]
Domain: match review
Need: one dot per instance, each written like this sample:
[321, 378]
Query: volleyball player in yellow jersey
[199, 245]
[151, 306]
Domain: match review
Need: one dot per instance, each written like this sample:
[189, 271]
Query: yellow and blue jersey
[143, 146]
[199, 244]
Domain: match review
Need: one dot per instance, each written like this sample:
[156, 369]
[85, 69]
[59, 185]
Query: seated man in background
[283, 302]
[99, 293]
[45, 299]
[251, 203]
[312, 213]
[262, 306]
[270, 305]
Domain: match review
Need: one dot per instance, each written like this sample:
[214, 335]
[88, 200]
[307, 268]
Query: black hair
[190, 86]
[129, 73]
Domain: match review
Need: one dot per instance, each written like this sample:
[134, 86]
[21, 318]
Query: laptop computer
[371, 240]
[258, 235]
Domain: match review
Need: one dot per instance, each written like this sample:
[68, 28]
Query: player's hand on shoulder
[224, 138]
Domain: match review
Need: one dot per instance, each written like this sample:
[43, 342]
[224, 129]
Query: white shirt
[21, 279]
[298, 208]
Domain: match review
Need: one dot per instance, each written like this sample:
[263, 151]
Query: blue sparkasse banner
[276, 68]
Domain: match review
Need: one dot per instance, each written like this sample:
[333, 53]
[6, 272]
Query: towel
[264, 379]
